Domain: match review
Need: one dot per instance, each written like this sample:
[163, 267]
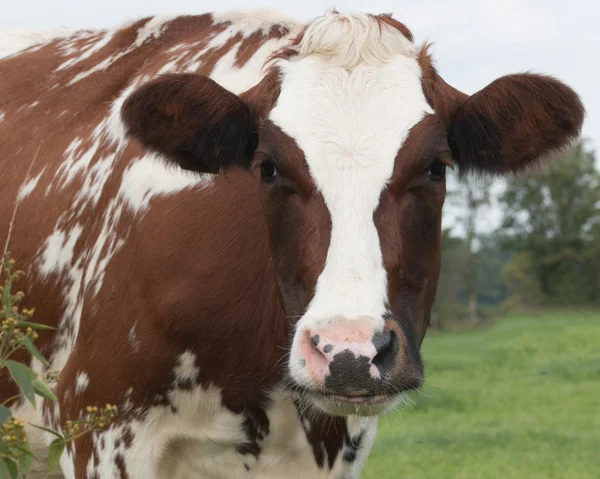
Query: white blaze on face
[350, 124]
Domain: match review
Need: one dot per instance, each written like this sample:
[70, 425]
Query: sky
[474, 41]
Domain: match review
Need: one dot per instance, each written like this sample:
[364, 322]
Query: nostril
[314, 357]
[315, 345]
[387, 346]
[382, 340]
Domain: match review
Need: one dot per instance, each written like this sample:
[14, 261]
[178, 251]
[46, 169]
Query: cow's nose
[379, 351]
[352, 358]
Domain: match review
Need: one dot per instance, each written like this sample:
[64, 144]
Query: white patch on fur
[286, 452]
[14, 39]
[76, 161]
[29, 186]
[171, 444]
[82, 380]
[148, 177]
[246, 24]
[350, 120]
[186, 369]
[59, 250]
[112, 127]
[229, 76]
[210, 451]
[171, 66]
[200, 439]
[103, 65]
[70, 321]
[127, 405]
[106, 246]
[367, 427]
[79, 42]
[238, 80]
[133, 340]
[152, 29]
[250, 21]
[87, 51]
[2, 115]
[93, 183]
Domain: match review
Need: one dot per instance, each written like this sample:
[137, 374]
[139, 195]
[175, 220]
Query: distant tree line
[545, 253]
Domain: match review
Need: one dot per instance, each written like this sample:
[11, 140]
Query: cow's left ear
[193, 121]
[513, 122]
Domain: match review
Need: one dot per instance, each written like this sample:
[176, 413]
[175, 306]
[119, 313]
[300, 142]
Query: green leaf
[12, 467]
[31, 374]
[4, 450]
[42, 389]
[3, 469]
[33, 350]
[25, 324]
[54, 452]
[4, 414]
[25, 461]
[48, 430]
[22, 376]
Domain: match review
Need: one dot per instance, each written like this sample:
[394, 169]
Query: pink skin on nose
[342, 335]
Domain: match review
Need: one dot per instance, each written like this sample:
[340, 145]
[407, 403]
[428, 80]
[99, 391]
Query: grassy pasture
[520, 399]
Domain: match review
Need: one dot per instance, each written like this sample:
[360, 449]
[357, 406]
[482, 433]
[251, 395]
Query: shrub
[18, 332]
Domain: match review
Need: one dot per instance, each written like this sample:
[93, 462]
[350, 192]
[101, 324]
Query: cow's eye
[437, 169]
[268, 170]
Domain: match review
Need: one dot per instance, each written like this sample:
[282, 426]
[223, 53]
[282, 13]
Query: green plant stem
[5, 358]
[78, 435]
[16, 396]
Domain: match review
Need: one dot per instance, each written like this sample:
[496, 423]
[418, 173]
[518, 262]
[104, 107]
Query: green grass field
[518, 399]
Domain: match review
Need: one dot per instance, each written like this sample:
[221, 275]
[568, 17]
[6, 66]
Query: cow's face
[351, 146]
[352, 168]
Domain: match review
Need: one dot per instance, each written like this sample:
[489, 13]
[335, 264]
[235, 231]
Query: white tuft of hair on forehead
[348, 40]
[350, 124]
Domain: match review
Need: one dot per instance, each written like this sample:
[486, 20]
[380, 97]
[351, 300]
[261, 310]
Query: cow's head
[351, 132]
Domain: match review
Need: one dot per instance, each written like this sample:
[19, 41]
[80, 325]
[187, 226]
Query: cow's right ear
[193, 121]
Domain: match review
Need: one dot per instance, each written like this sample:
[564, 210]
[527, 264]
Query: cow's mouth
[360, 405]
[371, 399]
[357, 403]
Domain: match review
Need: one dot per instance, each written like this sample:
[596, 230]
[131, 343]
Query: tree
[447, 306]
[471, 198]
[491, 260]
[521, 281]
[552, 217]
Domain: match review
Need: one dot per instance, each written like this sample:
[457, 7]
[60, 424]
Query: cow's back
[132, 261]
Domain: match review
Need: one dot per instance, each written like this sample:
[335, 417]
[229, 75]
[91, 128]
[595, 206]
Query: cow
[233, 221]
